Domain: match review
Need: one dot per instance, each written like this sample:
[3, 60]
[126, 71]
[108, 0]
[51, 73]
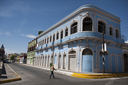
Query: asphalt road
[37, 76]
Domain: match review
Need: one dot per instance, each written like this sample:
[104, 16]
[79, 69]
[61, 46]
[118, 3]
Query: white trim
[92, 22]
[102, 20]
[124, 52]
[119, 55]
[72, 49]
[112, 54]
[65, 59]
[65, 31]
[112, 30]
[73, 21]
[116, 28]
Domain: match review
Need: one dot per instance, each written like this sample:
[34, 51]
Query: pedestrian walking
[52, 71]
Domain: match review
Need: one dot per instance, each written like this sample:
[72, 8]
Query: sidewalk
[8, 75]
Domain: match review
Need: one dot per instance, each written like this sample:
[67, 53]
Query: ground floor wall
[81, 57]
[30, 60]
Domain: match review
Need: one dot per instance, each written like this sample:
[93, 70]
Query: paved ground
[37, 76]
[7, 73]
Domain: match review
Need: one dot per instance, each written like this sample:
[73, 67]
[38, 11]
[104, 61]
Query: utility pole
[103, 51]
[53, 49]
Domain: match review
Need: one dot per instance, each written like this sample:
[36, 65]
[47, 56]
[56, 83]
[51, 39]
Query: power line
[124, 30]
[124, 27]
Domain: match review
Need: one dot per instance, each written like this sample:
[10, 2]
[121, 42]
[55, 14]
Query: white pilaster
[67, 62]
[62, 59]
[46, 61]
[79, 23]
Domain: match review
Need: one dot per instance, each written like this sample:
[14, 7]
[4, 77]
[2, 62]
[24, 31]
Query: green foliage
[40, 32]
[12, 57]
[51, 64]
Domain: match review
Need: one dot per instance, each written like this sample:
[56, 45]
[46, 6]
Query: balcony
[50, 44]
[44, 46]
[58, 42]
[89, 34]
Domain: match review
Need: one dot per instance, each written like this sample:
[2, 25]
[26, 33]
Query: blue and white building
[77, 42]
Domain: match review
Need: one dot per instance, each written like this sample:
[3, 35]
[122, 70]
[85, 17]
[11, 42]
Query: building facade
[2, 53]
[125, 57]
[31, 52]
[22, 58]
[75, 42]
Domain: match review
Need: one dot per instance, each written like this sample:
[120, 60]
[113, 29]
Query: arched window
[41, 42]
[61, 34]
[57, 37]
[87, 52]
[117, 33]
[54, 37]
[101, 27]
[110, 31]
[45, 40]
[50, 38]
[87, 24]
[66, 32]
[74, 28]
[72, 52]
[125, 62]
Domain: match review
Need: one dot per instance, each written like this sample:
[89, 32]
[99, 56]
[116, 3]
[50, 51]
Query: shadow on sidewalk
[3, 72]
[3, 69]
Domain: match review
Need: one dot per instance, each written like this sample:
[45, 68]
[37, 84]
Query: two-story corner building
[75, 42]
[31, 52]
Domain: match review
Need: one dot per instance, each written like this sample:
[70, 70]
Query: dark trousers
[52, 73]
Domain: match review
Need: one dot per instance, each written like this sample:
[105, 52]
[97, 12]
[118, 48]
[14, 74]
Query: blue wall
[111, 48]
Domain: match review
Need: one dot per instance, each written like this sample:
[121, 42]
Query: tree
[12, 57]
[39, 32]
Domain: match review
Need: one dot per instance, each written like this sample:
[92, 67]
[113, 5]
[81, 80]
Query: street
[37, 76]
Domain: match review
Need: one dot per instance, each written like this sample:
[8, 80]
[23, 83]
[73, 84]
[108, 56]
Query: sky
[20, 20]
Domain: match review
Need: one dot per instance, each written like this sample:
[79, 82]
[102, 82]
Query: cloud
[5, 14]
[12, 7]
[29, 36]
[1, 33]
[22, 35]
[126, 41]
[17, 30]
[23, 22]
[7, 33]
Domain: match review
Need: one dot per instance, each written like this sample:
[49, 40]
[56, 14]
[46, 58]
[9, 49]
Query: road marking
[110, 82]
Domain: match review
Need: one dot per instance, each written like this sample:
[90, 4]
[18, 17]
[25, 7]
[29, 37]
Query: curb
[99, 76]
[13, 79]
